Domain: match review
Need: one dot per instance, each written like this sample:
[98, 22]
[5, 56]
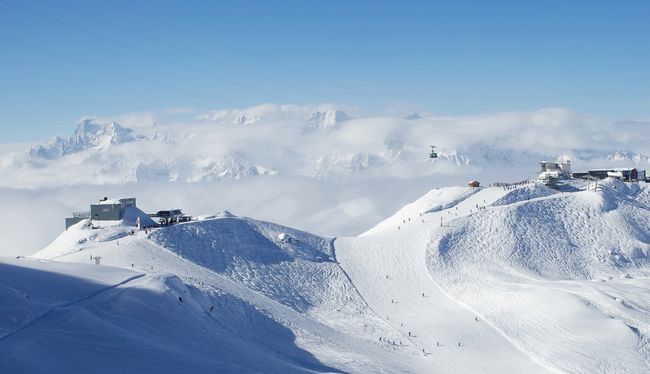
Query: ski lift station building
[109, 210]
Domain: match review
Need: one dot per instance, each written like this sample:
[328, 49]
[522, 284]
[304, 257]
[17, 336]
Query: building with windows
[112, 210]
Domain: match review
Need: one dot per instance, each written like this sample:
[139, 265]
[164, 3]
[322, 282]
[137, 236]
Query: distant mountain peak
[242, 119]
[87, 134]
[327, 119]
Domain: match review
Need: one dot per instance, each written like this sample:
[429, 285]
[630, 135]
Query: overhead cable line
[146, 53]
[86, 63]
[178, 47]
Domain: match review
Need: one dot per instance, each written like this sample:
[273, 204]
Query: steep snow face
[88, 134]
[290, 266]
[554, 236]
[326, 120]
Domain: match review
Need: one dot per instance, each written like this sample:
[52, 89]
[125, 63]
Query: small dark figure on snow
[180, 299]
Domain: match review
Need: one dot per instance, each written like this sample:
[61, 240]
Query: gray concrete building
[106, 210]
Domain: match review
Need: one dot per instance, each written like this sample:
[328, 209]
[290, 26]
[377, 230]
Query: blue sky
[61, 60]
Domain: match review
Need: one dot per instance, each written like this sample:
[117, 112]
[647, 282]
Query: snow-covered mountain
[326, 120]
[496, 279]
[201, 170]
[325, 143]
[87, 134]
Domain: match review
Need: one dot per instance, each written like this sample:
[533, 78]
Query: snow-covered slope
[496, 279]
[254, 274]
[553, 281]
[119, 321]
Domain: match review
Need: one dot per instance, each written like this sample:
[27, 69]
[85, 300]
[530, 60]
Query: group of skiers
[410, 334]
[407, 220]
[399, 343]
[477, 207]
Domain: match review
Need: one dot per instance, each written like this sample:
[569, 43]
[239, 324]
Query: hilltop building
[552, 172]
[625, 174]
[112, 210]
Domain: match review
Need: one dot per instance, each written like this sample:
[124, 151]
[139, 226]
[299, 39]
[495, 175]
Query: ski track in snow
[31, 322]
[461, 280]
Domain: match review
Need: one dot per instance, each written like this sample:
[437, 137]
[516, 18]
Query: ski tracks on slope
[514, 343]
[354, 287]
[68, 304]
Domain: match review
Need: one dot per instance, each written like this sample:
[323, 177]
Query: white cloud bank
[325, 168]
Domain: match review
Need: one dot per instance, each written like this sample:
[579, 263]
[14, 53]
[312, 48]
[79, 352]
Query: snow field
[526, 279]
[296, 283]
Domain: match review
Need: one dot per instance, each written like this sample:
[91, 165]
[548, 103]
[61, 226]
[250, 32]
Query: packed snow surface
[521, 279]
